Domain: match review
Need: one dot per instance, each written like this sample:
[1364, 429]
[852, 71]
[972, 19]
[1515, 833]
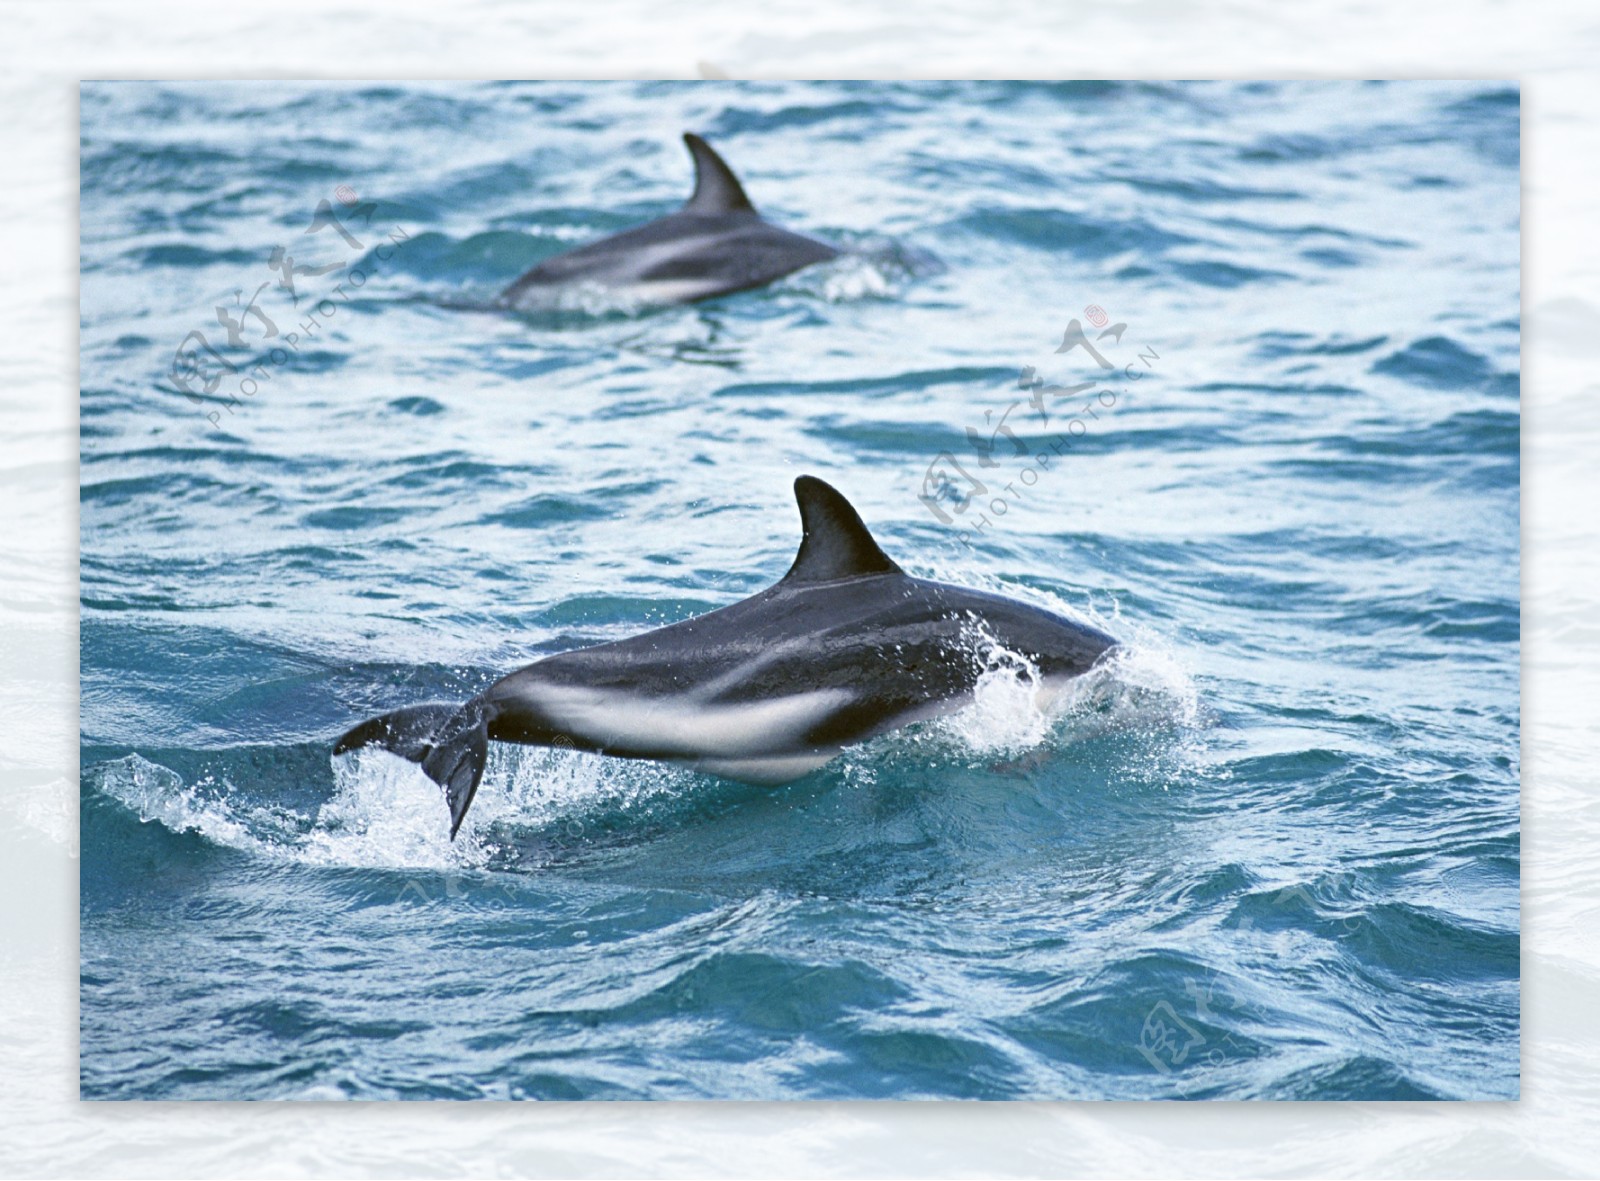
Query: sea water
[1236, 369]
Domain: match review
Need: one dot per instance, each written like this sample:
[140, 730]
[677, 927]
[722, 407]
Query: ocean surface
[1271, 852]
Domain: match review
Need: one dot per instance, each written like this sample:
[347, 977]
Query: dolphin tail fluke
[456, 761]
[406, 732]
[451, 742]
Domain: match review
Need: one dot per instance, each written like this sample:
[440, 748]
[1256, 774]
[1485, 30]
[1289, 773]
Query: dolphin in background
[715, 244]
[845, 646]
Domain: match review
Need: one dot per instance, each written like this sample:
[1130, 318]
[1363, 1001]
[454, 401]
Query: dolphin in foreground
[844, 647]
[715, 244]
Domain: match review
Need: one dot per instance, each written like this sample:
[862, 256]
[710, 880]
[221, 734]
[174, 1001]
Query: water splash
[384, 812]
[564, 789]
[590, 300]
[1007, 715]
[1136, 688]
[157, 794]
[870, 267]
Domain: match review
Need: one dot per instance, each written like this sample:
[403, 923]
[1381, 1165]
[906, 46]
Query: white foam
[386, 812]
[562, 787]
[871, 267]
[157, 794]
[592, 299]
[383, 812]
[1007, 714]
[1140, 687]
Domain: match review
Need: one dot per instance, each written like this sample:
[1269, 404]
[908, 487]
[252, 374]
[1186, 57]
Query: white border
[47, 49]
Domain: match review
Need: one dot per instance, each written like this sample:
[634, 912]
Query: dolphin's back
[844, 647]
[678, 258]
[714, 245]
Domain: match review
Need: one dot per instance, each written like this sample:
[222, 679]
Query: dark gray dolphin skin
[715, 244]
[843, 647]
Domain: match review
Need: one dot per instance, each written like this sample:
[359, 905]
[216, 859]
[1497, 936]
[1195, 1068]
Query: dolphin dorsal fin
[835, 543]
[716, 189]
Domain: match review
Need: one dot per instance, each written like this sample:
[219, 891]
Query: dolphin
[715, 244]
[844, 647]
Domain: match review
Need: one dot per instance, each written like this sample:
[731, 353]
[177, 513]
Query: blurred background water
[1276, 855]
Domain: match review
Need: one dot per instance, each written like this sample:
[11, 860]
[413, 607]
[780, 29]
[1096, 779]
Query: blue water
[1272, 852]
